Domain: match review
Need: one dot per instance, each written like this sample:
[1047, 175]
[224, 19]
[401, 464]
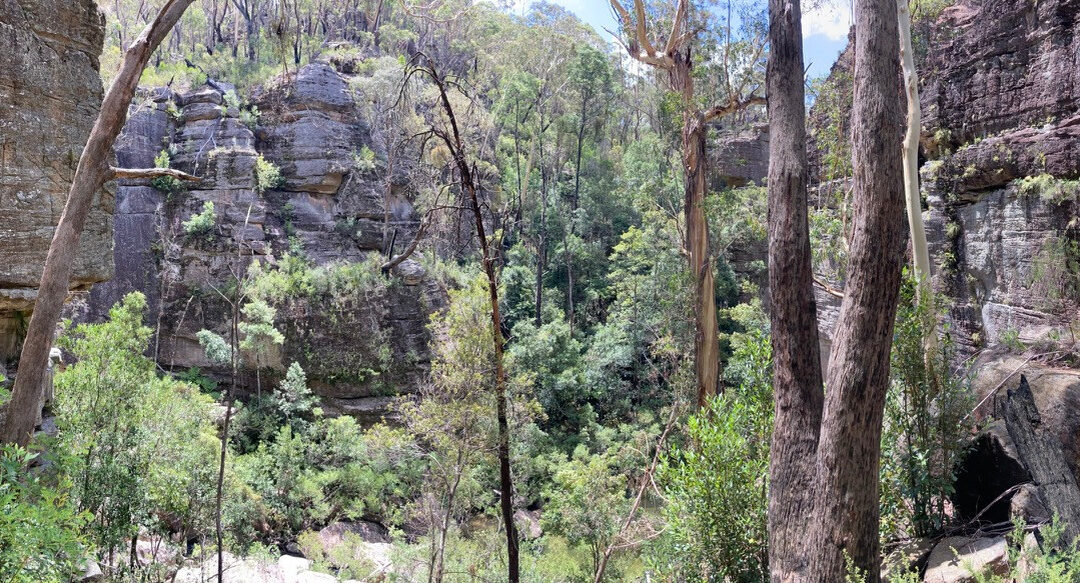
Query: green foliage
[924, 431]
[267, 175]
[141, 448]
[40, 526]
[169, 185]
[364, 160]
[1049, 189]
[832, 102]
[201, 224]
[716, 485]
[217, 348]
[259, 338]
[586, 502]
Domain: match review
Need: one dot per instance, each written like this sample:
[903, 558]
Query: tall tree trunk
[920, 249]
[469, 183]
[90, 176]
[706, 341]
[797, 385]
[846, 487]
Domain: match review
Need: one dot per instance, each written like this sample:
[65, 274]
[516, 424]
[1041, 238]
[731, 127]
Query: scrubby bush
[201, 224]
[170, 185]
[40, 526]
[267, 175]
[925, 432]
[716, 484]
[141, 449]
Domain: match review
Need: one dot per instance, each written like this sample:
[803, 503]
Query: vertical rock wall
[50, 93]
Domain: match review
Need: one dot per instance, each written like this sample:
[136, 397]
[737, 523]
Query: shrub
[717, 488]
[40, 540]
[142, 449]
[201, 224]
[924, 433]
[364, 160]
[267, 175]
[169, 185]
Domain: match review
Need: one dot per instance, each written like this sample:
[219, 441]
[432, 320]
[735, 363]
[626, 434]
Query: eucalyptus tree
[672, 57]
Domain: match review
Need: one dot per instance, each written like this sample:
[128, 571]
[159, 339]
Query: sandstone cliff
[50, 92]
[361, 336]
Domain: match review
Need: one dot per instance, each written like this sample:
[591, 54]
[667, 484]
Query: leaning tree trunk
[92, 173]
[797, 386]
[846, 487]
[469, 183]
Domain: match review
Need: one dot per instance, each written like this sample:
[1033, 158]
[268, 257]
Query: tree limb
[733, 106]
[130, 173]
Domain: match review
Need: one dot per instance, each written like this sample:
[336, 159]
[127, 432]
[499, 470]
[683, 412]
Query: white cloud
[831, 18]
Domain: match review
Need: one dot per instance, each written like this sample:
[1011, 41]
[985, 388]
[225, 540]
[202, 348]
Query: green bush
[201, 224]
[40, 526]
[267, 175]
[142, 449]
[169, 185]
[924, 433]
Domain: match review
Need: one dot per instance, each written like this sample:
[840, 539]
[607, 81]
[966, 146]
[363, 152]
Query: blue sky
[825, 28]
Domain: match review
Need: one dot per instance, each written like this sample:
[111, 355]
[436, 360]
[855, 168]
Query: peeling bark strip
[1042, 456]
[797, 389]
[92, 173]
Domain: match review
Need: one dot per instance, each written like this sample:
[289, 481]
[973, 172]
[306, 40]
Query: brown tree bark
[797, 387]
[846, 486]
[470, 184]
[674, 57]
[92, 173]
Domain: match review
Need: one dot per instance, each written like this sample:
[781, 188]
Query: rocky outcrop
[322, 226]
[50, 93]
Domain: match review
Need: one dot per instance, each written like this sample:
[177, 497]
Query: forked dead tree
[674, 58]
[92, 173]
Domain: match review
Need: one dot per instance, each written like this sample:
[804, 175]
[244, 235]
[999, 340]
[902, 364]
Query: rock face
[50, 93]
[960, 559]
[360, 335]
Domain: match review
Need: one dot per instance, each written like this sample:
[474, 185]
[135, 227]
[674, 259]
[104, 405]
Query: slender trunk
[92, 172]
[919, 247]
[797, 387]
[469, 183]
[219, 497]
[846, 487]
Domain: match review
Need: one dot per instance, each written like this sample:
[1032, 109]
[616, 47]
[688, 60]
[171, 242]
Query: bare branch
[131, 173]
[733, 106]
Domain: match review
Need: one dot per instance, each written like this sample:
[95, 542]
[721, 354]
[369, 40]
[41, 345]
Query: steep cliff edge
[321, 228]
[50, 93]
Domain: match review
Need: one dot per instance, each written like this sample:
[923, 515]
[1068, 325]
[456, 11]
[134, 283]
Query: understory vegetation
[618, 473]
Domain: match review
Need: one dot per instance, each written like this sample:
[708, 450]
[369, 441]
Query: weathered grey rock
[50, 93]
[91, 572]
[908, 556]
[311, 127]
[1026, 506]
[1056, 391]
[997, 65]
[335, 534]
[959, 559]
[740, 157]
